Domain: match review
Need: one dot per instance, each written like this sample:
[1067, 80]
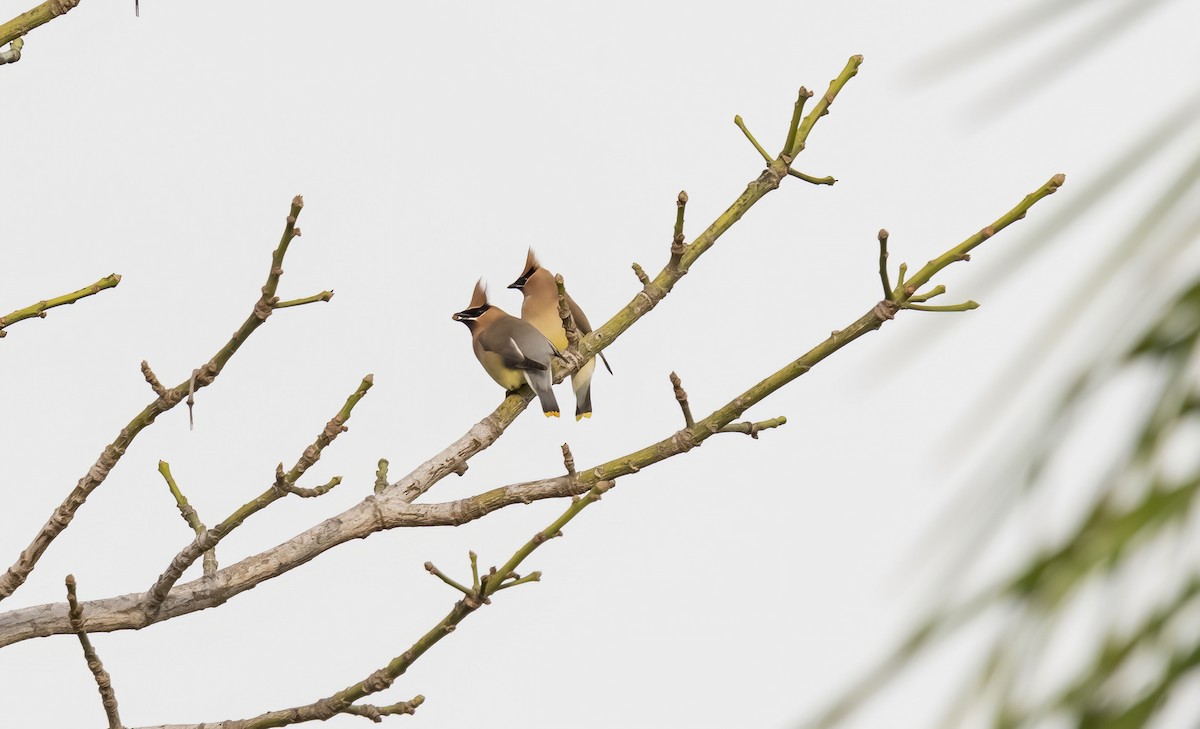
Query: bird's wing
[518, 346]
[584, 327]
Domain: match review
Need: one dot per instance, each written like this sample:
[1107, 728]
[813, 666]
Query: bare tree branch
[284, 484]
[487, 431]
[188, 512]
[31, 19]
[108, 698]
[393, 508]
[16, 575]
[39, 309]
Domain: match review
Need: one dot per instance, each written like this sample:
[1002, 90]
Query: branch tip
[827, 180]
[682, 397]
[640, 273]
[381, 476]
[742, 125]
[568, 460]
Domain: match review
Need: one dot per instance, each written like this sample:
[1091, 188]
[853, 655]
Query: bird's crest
[531, 261]
[479, 298]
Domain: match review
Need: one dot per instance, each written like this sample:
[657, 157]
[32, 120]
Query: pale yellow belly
[506, 377]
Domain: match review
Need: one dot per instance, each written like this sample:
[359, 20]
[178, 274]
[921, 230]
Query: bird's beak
[516, 284]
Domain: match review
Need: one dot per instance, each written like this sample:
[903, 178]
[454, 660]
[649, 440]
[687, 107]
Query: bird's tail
[542, 384]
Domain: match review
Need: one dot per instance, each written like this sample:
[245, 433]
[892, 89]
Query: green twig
[550, 532]
[965, 306]
[752, 429]
[883, 256]
[742, 125]
[827, 180]
[433, 570]
[323, 296]
[932, 293]
[797, 113]
[640, 273]
[823, 104]
[39, 309]
[188, 512]
[381, 476]
[682, 397]
[961, 252]
[661, 285]
[531, 577]
[677, 246]
[31, 19]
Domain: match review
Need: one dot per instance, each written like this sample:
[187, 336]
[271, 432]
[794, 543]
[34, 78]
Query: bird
[540, 308]
[512, 351]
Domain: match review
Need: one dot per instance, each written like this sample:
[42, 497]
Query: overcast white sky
[740, 585]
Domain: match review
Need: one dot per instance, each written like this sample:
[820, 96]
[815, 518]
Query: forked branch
[285, 483]
[61, 518]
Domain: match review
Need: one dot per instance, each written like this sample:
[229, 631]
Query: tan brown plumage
[512, 351]
[540, 308]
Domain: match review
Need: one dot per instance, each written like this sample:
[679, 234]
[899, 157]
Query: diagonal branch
[39, 309]
[484, 433]
[31, 19]
[393, 508]
[16, 575]
[62, 516]
[654, 292]
[473, 598]
[285, 483]
[188, 512]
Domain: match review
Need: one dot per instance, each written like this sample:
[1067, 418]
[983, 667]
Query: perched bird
[512, 351]
[540, 309]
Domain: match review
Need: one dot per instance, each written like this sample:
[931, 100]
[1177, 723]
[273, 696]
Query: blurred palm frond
[1099, 626]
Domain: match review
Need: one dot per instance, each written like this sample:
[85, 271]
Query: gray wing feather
[584, 327]
[519, 345]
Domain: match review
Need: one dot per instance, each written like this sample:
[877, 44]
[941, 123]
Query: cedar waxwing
[512, 351]
[540, 309]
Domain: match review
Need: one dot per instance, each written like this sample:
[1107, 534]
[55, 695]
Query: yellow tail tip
[581, 416]
[551, 413]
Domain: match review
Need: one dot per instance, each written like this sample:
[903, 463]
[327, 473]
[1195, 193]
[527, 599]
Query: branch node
[152, 380]
[568, 460]
[640, 273]
[381, 476]
[682, 397]
[885, 310]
